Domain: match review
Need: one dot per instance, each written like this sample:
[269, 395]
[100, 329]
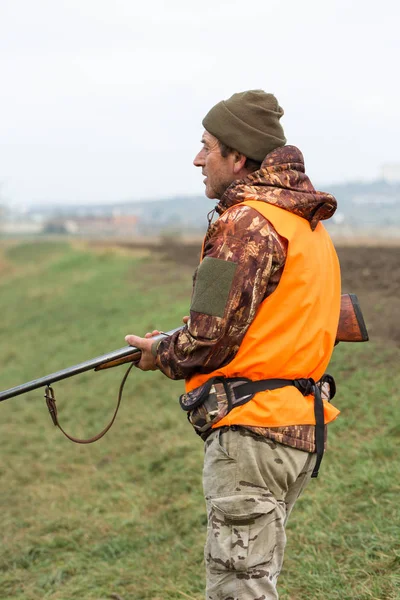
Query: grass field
[124, 518]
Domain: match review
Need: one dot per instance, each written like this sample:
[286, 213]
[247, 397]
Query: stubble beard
[216, 193]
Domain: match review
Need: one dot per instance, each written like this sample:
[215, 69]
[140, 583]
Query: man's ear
[240, 161]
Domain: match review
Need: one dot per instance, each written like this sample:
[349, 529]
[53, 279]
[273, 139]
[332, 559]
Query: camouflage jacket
[242, 236]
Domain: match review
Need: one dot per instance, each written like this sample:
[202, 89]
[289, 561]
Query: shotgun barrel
[129, 353]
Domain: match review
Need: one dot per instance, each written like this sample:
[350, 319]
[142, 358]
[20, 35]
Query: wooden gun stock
[351, 327]
[134, 357]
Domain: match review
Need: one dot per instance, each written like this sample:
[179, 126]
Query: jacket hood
[282, 181]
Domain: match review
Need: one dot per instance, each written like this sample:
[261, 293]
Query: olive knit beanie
[247, 122]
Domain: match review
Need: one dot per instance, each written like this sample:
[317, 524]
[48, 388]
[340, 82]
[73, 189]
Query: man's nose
[198, 160]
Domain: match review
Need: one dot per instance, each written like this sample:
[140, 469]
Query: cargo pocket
[242, 532]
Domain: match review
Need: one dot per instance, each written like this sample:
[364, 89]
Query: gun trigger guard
[51, 403]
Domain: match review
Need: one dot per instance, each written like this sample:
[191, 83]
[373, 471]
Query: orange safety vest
[293, 332]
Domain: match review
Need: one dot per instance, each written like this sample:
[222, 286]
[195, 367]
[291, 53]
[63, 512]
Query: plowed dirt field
[370, 272]
[373, 273]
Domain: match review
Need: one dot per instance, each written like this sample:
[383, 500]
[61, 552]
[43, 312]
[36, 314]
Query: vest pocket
[242, 532]
[206, 405]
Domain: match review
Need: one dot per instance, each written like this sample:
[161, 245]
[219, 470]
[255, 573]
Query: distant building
[21, 228]
[391, 172]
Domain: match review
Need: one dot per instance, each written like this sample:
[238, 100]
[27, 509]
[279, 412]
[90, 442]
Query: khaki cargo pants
[250, 486]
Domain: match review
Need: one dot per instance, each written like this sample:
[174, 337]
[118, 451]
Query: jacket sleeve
[242, 263]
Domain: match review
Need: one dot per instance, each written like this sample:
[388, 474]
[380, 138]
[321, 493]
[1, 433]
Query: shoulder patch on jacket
[212, 287]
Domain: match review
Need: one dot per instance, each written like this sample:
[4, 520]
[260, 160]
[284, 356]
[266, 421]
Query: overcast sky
[102, 100]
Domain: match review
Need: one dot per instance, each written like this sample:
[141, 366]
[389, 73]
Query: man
[265, 308]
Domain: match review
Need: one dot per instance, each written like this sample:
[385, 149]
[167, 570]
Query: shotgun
[351, 328]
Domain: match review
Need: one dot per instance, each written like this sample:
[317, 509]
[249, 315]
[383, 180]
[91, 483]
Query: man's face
[217, 169]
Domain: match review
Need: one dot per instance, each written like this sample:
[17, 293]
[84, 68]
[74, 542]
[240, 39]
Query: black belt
[243, 392]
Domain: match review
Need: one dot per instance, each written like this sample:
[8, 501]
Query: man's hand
[147, 360]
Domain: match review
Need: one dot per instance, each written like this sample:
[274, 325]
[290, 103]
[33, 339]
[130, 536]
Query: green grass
[124, 518]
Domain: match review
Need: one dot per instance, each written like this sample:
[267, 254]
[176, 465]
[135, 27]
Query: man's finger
[152, 334]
